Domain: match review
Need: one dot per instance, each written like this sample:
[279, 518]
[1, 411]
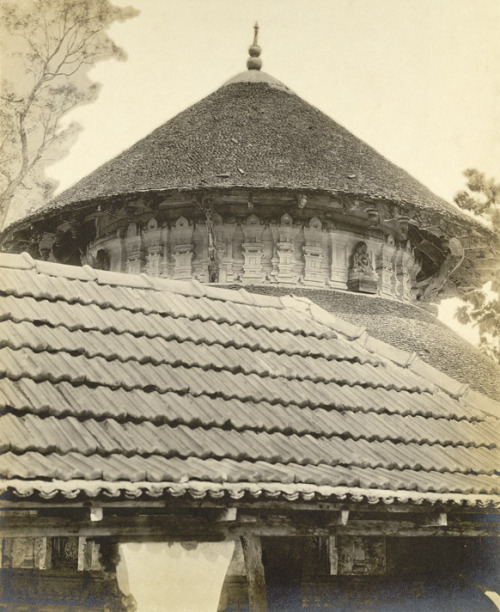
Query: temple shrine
[167, 403]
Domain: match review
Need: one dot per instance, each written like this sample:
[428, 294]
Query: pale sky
[419, 80]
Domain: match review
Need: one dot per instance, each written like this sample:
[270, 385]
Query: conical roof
[255, 133]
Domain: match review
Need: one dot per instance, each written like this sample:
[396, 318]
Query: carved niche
[314, 254]
[252, 250]
[361, 277]
[101, 260]
[182, 248]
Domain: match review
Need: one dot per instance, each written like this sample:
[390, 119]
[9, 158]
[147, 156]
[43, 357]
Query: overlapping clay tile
[128, 381]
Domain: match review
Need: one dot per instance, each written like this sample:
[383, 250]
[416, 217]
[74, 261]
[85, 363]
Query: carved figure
[361, 259]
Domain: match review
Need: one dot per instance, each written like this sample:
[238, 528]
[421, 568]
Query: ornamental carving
[361, 276]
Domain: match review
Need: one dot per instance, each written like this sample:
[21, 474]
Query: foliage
[49, 47]
[484, 312]
[482, 306]
[481, 197]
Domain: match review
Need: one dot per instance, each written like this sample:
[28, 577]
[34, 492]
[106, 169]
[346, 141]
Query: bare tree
[49, 47]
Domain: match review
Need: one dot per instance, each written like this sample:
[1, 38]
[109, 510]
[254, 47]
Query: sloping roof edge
[197, 490]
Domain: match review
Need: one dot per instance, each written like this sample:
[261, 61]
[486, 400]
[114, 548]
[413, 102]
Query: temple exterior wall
[260, 250]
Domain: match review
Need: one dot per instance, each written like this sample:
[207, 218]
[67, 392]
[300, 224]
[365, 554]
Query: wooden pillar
[252, 553]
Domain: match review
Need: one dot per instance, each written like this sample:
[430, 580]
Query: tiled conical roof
[254, 133]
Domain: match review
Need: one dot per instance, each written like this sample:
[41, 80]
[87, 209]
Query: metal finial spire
[254, 62]
[256, 33]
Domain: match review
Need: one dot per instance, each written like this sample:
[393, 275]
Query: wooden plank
[252, 553]
[179, 527]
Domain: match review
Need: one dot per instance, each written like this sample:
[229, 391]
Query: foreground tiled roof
[408, 327]
[254, 135]
[123, 385]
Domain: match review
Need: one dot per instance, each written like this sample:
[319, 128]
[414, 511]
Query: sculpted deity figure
[361, 259]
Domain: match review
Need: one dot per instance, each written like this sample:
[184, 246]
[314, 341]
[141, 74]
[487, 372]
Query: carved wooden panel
[357, 555]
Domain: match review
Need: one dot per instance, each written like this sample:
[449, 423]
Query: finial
[254, 62]
[256, 33]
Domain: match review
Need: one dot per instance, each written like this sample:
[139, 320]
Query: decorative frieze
[312, 252]
[44, 553]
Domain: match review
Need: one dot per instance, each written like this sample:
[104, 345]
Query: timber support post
[252, 553]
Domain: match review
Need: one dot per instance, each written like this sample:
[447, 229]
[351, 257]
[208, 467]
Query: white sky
[419, 80]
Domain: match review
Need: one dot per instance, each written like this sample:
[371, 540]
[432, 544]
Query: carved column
[408, 262]
[166, 265]
[135, 253]
[339, 262]
[154, 248]
[285, 250]
[397, 278]
[385, 267]
[200, 252]
[298, 253]
[267, 251]
[238, 259]
[275, 260]
[314, 254]
[252, 250]
[223, 245]
[182, 248]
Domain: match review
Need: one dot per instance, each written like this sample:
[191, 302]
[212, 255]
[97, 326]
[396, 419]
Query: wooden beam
[288, 506]
[439, 519]
[206, 528]
[343, 517]
[96, 513]
[252, 553]
[227, 515]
